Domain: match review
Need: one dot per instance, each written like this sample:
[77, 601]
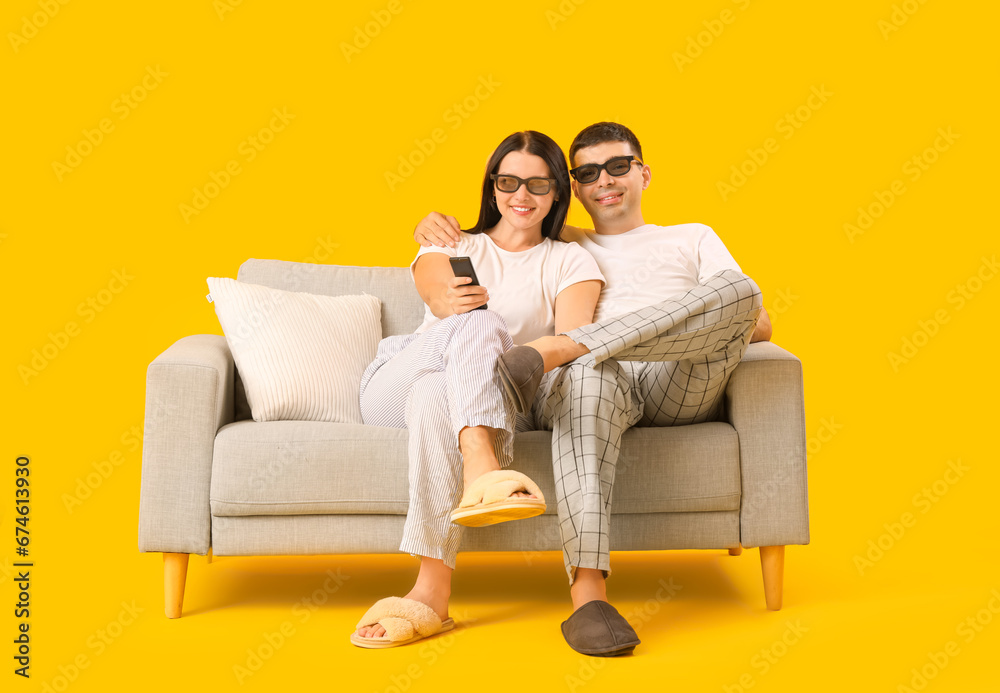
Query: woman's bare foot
[433, 588]
[476, 444]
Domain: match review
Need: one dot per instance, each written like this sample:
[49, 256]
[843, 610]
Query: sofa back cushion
[402, 308]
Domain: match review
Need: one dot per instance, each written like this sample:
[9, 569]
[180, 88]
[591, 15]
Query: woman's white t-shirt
[522, 285]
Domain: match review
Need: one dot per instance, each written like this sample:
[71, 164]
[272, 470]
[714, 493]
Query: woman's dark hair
[542, 146]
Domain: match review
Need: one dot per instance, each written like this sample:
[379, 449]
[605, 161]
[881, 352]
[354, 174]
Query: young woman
[442, 383]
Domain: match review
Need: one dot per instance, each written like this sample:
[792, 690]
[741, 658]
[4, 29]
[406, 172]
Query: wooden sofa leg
[175, 566]
[736, 551]
[772, 564]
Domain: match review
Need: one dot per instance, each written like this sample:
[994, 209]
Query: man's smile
[609, 198]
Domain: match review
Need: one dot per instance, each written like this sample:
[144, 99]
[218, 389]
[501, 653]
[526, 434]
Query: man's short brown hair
[599, 133]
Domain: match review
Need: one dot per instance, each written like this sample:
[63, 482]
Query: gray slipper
[521, 370]
[596, 628]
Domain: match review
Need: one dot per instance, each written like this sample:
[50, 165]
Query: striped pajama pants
[435, 384]
[664, 365]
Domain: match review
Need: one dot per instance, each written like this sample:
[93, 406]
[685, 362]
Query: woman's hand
[437, 229]
[461, 297]
[443, 292]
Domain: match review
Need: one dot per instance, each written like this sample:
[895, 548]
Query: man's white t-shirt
[650, 264]
[522, 285]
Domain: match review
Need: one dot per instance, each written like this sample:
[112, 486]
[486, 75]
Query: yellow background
[879, 434]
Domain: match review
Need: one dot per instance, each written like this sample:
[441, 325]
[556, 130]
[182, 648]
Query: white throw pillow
[301, 356]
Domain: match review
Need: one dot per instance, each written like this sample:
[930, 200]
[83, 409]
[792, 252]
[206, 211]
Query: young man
[674, 318]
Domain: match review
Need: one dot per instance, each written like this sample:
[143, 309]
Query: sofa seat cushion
[312, 467]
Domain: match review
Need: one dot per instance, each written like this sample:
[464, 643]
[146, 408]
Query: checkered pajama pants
[664, 365]
[434, 384]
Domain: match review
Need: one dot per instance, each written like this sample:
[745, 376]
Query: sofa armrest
[764, 403]
[189, 396]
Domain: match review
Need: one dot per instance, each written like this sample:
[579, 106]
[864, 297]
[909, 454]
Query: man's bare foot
[557, 350]
[588, 585]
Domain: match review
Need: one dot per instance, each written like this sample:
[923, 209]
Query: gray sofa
[215, 480]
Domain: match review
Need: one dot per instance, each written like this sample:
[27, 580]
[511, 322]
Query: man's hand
[437, 229]
[461, 297]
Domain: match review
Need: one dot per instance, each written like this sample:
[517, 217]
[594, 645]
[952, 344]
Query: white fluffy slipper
[404, 620]
[487, 501]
